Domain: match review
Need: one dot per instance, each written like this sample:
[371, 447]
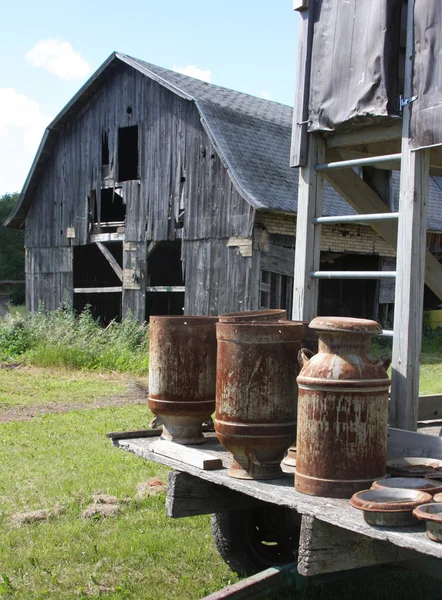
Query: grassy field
[81, 519]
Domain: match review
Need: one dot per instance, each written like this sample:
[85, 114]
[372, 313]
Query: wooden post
[411, 249]
[308, 236]
[298, 155]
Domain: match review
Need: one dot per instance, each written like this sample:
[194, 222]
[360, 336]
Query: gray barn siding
[48, 277]
[178, 165]
[222, 279]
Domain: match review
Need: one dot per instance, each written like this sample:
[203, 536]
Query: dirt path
[135, 393]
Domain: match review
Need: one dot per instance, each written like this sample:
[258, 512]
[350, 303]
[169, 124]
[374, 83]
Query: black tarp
[354, 63]
[426, 115]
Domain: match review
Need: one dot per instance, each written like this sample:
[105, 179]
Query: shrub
[59, 338]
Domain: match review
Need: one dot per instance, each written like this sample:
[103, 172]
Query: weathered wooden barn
[153, 192]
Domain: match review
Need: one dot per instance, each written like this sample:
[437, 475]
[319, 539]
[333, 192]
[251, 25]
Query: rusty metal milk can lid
[346, 325]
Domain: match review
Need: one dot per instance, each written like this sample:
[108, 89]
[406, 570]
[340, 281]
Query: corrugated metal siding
[354, 63]
[426, 119]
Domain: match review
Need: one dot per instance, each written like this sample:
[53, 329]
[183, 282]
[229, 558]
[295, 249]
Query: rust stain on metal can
[182, 374]
[256, 394]
[342, 411]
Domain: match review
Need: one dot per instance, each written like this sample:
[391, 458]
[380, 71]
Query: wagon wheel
[250, 541]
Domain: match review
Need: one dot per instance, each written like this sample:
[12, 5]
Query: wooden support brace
[325, 548]
[188, 496]
[430, 407]
[111, 260]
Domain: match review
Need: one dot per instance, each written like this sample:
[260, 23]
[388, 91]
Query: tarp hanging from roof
[426, 119]
[354, 63]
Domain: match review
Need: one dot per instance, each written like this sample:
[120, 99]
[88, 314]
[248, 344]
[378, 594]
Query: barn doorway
[96, 283]
[165, 282]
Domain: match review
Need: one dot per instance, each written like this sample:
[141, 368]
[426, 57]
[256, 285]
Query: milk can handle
[304, 356]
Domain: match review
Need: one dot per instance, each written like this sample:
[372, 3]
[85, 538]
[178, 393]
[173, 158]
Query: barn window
[276, 291]
[113, 207]
[128, 153]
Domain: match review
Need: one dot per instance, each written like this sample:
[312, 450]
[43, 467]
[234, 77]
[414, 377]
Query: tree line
[12, 253]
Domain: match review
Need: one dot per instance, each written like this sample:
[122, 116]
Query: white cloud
[193, 71]
[59, 58]
[265, 94]
[21, 128]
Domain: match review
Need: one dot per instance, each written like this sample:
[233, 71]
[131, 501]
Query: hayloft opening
[128, 153]
[113, 207]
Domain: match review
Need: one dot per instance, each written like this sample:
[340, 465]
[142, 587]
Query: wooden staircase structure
[334, 158]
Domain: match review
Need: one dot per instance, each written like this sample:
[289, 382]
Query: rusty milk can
[182, 375]
[252, 316]
[256, 395]
[309, 343]
[342, 410]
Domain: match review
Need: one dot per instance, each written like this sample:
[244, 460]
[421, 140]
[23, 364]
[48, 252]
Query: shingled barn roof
[251, 135]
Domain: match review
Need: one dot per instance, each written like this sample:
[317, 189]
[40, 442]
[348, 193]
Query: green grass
[140, 554]
[30, 386]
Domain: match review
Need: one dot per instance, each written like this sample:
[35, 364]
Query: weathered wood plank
[300, 138]
[430, 407]
[410, 265]
[187, 455]
[99, 290]
[188, 496]
[165, 288]
[366, 135]
[262, 585]
[325, 548]
[308, 235]
[281, 492]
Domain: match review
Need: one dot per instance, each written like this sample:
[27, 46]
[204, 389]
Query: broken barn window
[113, 207]
[128, 153]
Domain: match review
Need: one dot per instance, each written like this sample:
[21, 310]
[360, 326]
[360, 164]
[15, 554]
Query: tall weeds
[60, 338]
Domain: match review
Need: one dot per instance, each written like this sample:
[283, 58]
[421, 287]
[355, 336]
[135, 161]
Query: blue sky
[49, 49]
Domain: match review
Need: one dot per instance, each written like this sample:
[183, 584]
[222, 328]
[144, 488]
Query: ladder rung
[359, 162]
[388, 216]
[353, 274]
[386, 333]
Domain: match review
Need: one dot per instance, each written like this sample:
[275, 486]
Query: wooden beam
[165, 288]
[110, 259]
[107, 237]
[430, 407]
[410, 263]
[325, 548]
[308, 236]
[366, 135]
[365, 200]
[99, 290]
[298, 155]
[409, 294]
[189, 496]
